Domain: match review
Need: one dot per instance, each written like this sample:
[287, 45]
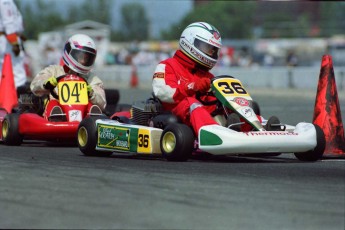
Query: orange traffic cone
[8, 92]
[134, 77]
[327, 113]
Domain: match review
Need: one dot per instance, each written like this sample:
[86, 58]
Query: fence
[255, 77]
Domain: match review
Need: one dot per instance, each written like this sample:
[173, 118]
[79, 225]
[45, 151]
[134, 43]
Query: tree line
[235, 19]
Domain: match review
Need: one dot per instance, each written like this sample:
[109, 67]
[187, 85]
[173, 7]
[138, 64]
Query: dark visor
[206, 48]
[83, 57]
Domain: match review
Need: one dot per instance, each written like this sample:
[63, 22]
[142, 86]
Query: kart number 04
[73, 93]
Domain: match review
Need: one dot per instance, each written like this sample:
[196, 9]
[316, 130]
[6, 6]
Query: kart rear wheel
[177, 142]
[317, 152]
[10, 130]
[112, 98]
[87, 138]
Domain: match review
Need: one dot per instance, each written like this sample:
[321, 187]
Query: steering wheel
[198, 96]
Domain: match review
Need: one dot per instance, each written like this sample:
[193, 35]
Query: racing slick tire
[10, 130]
[317, 152]
[272, 124]
[112, 98]
[177, 142]
[256, 108]
[87, 138]
[233, 122]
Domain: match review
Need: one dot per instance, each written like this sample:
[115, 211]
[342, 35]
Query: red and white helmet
[201, 42]
[79, 53]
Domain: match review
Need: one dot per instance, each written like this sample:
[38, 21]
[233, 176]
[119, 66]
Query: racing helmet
[201, 42]
[79, 53]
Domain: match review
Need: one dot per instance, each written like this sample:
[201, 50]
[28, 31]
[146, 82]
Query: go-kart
[28, 122]
[150, 130]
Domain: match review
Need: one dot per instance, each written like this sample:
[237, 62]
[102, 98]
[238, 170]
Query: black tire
[10, 130]
[317, 152]
[112, 96]
[87, 138]
[232, 119]
[255, 106]
[272, 124]
[177, 142]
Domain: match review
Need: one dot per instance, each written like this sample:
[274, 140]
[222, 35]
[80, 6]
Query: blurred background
[266, 44]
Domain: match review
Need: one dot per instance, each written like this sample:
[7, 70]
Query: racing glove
[50, 84]
[202, 85]
[89, 91]
[16, 49]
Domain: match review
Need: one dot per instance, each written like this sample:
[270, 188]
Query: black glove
[16, 49]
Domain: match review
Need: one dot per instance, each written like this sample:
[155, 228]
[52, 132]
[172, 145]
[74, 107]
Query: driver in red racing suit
[177, 80]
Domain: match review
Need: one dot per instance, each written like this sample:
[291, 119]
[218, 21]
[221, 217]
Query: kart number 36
[231, 87]
[73, 93]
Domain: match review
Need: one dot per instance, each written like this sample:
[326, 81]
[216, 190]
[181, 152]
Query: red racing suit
[170, 85]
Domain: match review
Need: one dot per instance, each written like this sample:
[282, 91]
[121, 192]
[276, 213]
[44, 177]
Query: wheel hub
[5, 128]
[169, 142]
[82, 136]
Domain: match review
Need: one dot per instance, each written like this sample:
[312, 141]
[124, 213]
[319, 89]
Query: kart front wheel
[317, 152]
[10, 130]
[87, 138]
[177, 142]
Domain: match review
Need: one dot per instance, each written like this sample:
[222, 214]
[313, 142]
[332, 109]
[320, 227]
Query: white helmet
[201, 42]
[79, 53]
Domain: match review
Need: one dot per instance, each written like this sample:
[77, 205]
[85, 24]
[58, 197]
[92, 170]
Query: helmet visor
[206, 48]
[84, 58]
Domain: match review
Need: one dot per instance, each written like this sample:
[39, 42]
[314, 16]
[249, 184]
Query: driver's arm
[167, 86]
[37, 83]
[98, 94]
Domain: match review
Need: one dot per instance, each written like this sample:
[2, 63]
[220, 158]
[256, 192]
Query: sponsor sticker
[159, 75]
[74, 115]
[113, 137]
[247, 112]
[271, 133]
[241, 101]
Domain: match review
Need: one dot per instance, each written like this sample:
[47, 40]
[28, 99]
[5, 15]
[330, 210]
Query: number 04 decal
[72, 93]
[231, 87]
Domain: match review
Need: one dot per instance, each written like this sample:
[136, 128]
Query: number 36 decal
[230, 87]
[143, 140]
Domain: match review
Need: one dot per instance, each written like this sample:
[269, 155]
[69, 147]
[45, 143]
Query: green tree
[42, 16]
[332, 19]
[135, 24]
[232, 18]
[95, 10]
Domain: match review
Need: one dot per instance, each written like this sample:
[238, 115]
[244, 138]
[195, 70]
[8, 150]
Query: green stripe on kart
[208, 138]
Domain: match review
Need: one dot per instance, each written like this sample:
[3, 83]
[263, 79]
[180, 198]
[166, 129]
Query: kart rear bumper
[35, 126]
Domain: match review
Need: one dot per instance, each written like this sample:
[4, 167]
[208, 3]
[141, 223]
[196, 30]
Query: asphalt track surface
[49, 186]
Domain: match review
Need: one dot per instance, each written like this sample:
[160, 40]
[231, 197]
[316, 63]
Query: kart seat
[57, 114]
